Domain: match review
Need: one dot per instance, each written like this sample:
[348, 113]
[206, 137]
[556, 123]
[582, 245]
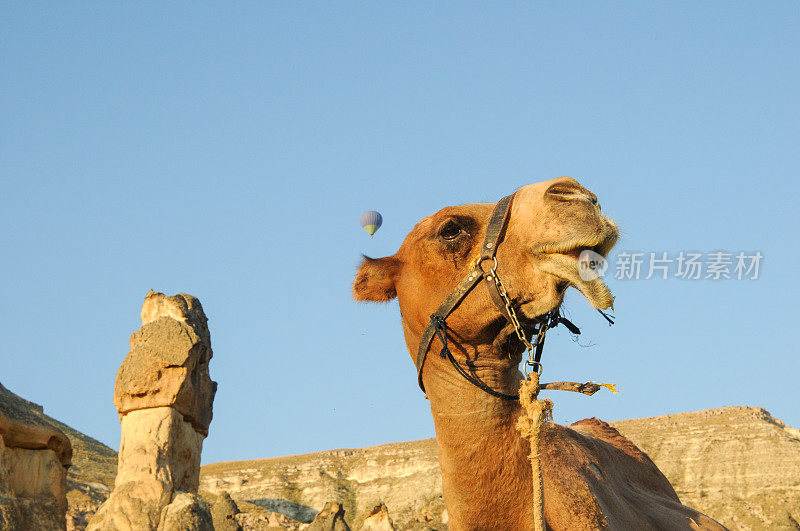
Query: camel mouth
[600, 244]
[562, 261]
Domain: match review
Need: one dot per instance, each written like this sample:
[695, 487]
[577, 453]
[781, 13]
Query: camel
[593, 477]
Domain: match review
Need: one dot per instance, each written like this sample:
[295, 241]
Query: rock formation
[330, 518]
[34, 458]
[738, 464]
[404, 476]
[255, 518]
[223, 511]
[163, 395]
[378, 519]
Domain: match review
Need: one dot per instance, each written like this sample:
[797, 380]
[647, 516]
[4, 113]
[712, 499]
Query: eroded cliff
[34, 458]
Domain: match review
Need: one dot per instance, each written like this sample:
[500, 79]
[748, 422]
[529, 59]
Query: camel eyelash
[450, 230]
[455, 226]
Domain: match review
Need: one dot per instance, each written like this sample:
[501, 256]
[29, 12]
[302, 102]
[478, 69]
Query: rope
[530, 426]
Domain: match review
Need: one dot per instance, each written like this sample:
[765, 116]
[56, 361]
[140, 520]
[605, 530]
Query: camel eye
[450, 230]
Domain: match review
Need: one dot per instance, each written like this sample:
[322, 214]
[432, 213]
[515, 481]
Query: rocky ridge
[403, 476]
[739, 465]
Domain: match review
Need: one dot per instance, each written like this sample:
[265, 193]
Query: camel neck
[477, 438]
[450, 393]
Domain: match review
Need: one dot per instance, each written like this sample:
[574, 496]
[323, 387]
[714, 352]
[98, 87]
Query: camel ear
[375, 279]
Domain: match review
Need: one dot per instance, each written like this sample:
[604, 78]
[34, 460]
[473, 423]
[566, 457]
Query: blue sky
[228, 150]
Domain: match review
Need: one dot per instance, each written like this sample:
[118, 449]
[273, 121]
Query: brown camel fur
[593, 477]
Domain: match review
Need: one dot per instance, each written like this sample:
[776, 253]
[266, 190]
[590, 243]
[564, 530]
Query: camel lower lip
[565, 268]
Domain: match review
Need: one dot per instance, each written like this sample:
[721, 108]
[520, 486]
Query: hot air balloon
[371, 221]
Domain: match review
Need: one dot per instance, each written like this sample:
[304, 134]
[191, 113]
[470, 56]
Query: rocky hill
[405, 476]
[737, 464]
[90, 478]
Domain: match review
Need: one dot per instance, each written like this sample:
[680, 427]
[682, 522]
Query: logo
[591, 265]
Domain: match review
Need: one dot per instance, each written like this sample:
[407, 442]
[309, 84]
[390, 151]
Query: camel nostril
[567, 191]
[561, 190]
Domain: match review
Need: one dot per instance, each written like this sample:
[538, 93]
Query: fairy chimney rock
[168, 362]
[163, 395]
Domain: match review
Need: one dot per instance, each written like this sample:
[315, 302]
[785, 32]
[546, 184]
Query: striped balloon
[371, 221]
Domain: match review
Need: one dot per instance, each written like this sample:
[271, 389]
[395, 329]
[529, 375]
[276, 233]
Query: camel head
[549, 225]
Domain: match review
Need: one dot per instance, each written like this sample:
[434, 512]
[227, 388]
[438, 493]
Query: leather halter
[438, 326]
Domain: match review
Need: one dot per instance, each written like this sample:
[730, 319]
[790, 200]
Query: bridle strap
[449, 304]
[494, 233]
[496, 227]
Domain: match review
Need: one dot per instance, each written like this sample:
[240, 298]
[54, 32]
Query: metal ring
[494, 265]
[537, 367]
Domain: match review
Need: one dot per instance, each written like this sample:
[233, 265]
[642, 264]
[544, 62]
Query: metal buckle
[535, 365]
